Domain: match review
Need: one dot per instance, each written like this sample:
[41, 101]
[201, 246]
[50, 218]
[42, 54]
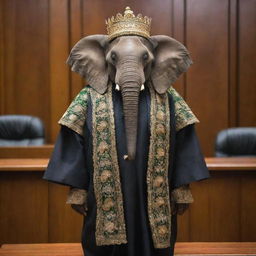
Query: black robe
[72, 164]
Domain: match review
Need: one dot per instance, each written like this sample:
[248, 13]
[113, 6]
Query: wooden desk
[75, 249]
[40, 163]
[34, 211]
[23, 164]
[26, 152]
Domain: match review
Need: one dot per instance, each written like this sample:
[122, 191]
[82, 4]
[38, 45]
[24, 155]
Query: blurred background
[35, 39]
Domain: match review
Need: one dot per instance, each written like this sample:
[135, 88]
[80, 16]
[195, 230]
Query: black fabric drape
[71, 164]
[67, 165]
[189, 164]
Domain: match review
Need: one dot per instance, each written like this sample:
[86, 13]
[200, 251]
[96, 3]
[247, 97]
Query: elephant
[130, 62]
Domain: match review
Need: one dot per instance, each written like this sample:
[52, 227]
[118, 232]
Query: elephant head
[129, 61]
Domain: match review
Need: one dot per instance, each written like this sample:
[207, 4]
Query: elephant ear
[87, 58]
[171, 60]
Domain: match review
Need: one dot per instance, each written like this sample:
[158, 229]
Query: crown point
[128, 11]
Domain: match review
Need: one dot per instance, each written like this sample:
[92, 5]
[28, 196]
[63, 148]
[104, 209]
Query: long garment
[72, 164]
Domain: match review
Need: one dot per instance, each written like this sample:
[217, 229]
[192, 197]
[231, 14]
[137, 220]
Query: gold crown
[128, 24]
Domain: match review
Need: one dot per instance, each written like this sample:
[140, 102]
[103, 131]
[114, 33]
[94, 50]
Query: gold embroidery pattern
[110, 224]
[183, 114]
[182, 195]
[75, 115]
[159, 209]
[77, 196]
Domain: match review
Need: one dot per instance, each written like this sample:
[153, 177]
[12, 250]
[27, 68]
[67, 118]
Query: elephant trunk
[130, 77]
[130, 94]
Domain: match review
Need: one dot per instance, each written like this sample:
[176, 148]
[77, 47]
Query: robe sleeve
[189, 164]
[67, 163]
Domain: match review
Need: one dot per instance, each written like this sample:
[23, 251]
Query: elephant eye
[113, 56]
[145, 56]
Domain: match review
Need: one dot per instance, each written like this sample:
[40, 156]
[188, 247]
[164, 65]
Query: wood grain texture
[233, 63]
[2, 58]
[178, 32]
[64, 223]
[247, 63]
[25, 57]
[26, 152]
[20, 163]
[231, 163]
[247, 208]
[224, 207]
[26, 164]
[23, 208]
[220, 35]
[199, 225]
[76, 16]
[58, 53]
[207, 79]
[75, 249]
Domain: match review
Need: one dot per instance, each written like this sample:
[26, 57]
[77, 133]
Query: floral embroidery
[75, 115]
[110, 227]
[183, 114]
[158, 181]
[108, 204]
[182, 195]
[77, 196]
[159, 209]
[162, 230]
[110, 224]
[105, 175]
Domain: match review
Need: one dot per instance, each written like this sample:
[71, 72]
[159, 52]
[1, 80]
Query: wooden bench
[182, 248]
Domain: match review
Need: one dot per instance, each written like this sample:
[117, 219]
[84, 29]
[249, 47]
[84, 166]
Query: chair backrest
[21, 130]
[239, 142]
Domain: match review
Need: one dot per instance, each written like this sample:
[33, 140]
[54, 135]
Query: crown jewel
[128, 24]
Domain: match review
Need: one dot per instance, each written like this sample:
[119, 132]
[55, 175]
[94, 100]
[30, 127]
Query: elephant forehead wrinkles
[130, 45]
[131, 59]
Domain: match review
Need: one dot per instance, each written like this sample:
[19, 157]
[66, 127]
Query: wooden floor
[74, 249]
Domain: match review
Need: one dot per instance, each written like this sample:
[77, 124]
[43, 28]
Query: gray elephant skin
[130, 62]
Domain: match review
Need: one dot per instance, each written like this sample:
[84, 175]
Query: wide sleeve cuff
[182, 195]
[77, 196]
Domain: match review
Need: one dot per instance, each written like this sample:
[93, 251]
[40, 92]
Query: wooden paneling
[93, 25]
[23, 208]
[224, 209]
[59, 72]
[248, 196]
[247, 63]
[60, 213]
[207, 80]
[178, 32]
[32, 210]
[25, 70]
[75, 35]
[220, 86]
[1, 57]
[233, 63]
